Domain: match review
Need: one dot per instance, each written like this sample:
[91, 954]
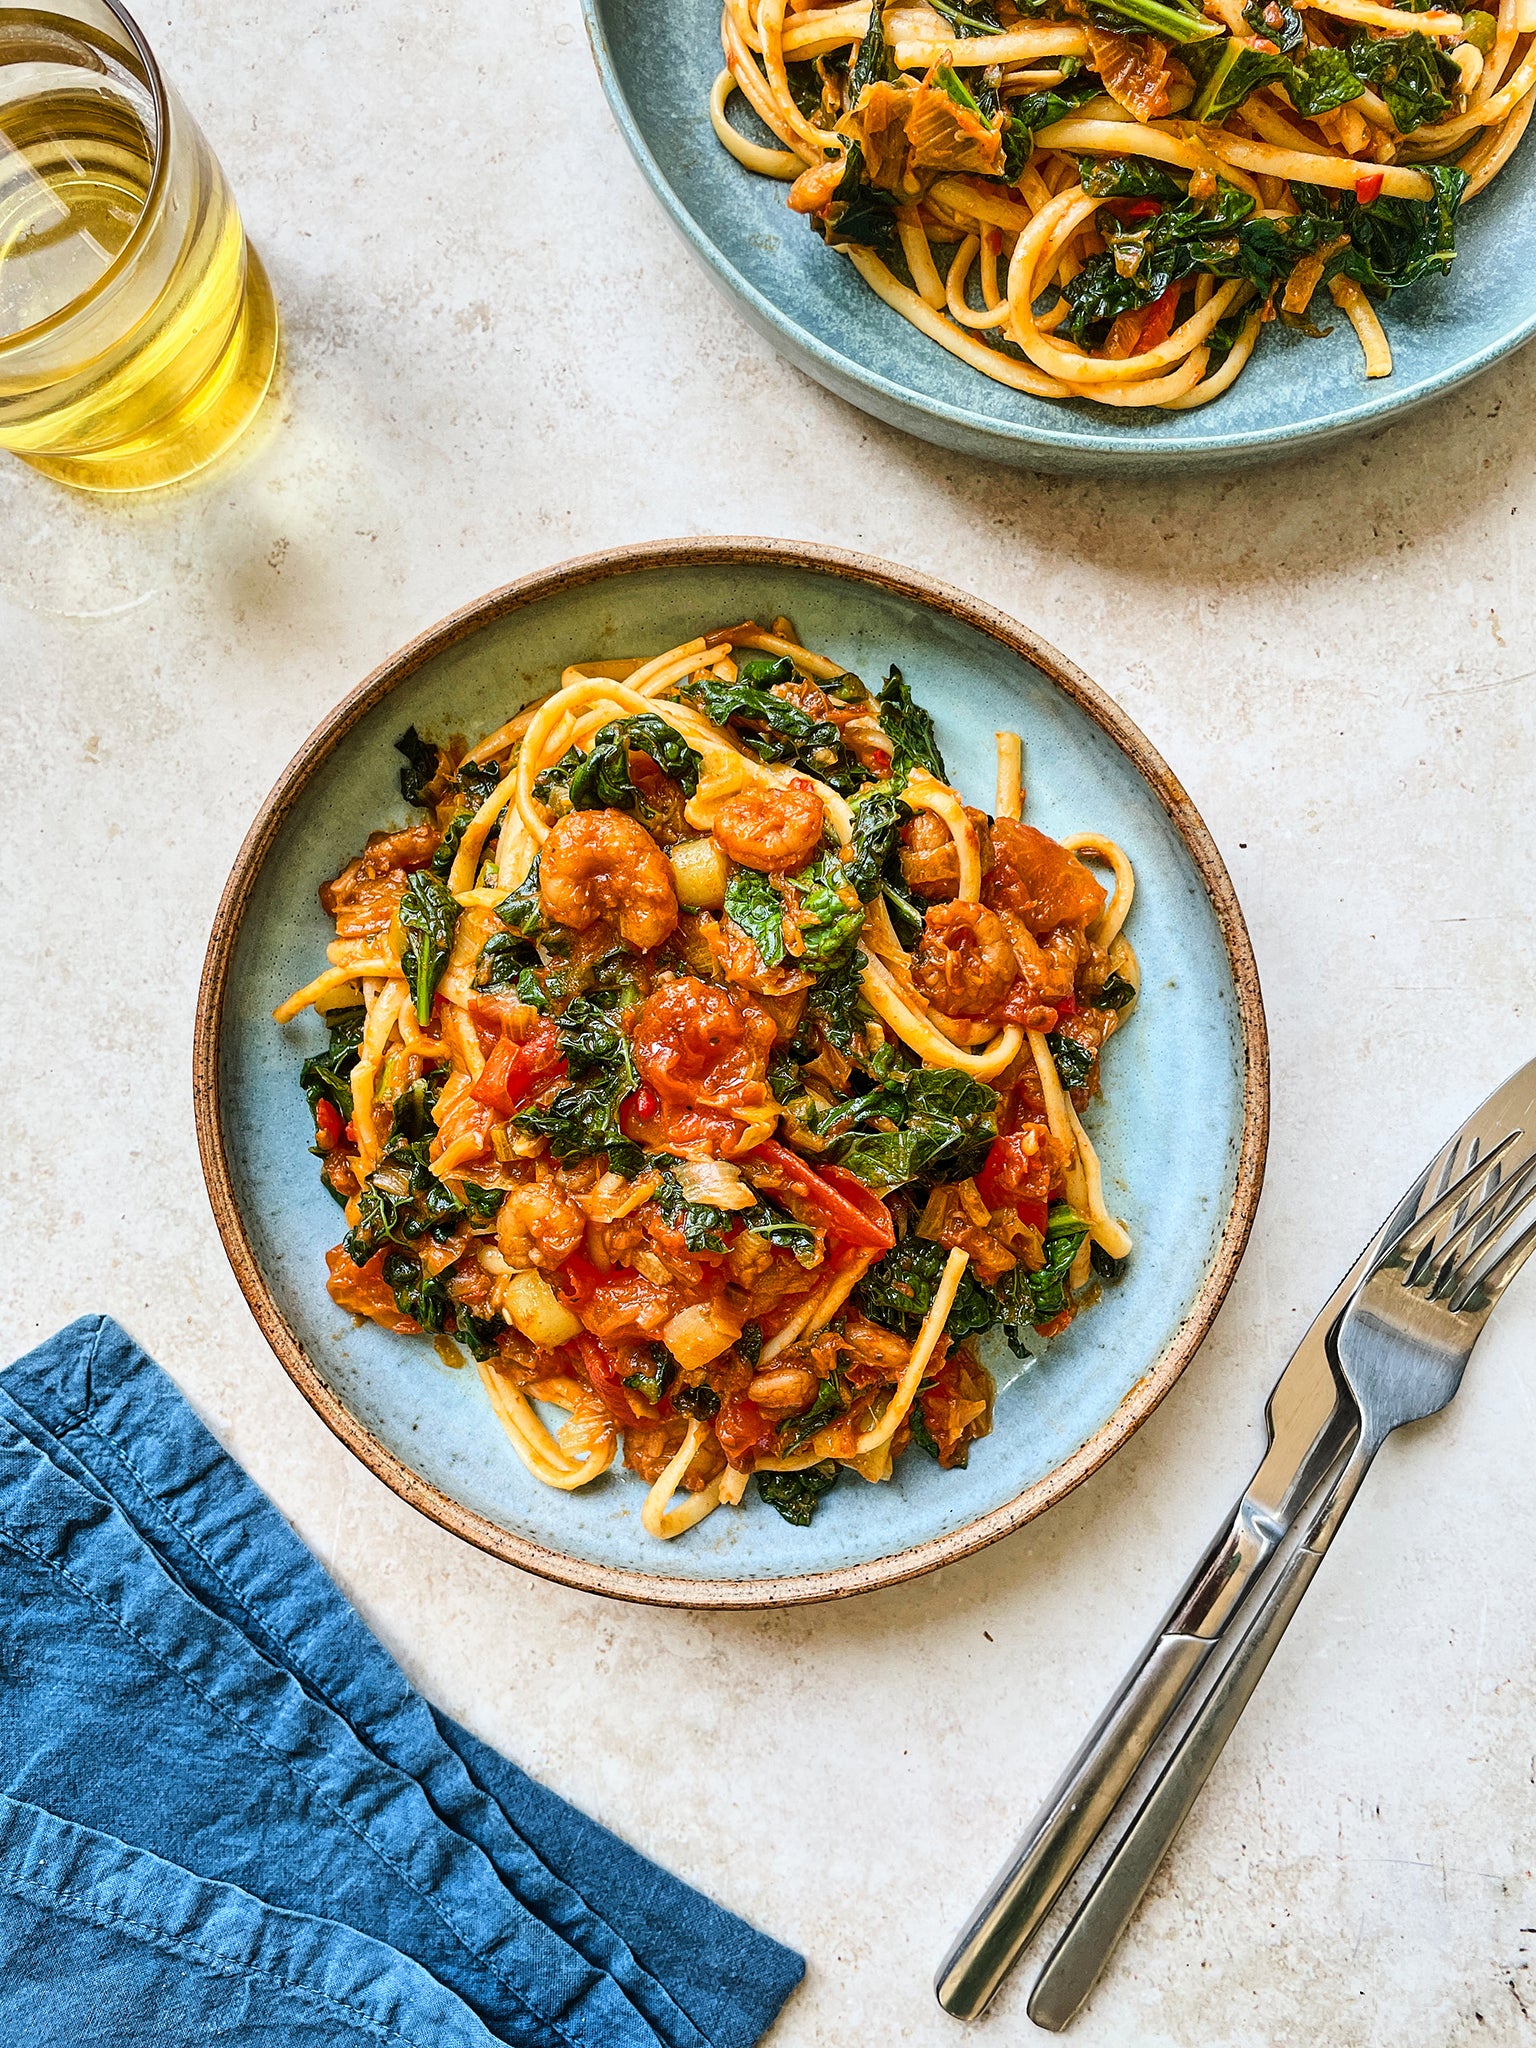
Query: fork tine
[1420, 1233]
[1489, 1281]
[1491, 1215]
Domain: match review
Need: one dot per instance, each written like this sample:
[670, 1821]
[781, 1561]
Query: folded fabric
[221, 1801]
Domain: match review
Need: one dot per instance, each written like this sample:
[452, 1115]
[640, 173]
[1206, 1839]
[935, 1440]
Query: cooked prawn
[538, 1226]
[964, 964]
[605, 864]
[772, 830]
[703, 1045]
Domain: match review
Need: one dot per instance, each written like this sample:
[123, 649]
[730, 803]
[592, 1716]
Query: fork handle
[1067, 1824]
[1090, 1938]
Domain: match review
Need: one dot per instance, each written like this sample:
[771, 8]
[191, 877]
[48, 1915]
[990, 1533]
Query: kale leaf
[795, 1494]
[701, 1401]
[700, 1225]
[1039, 1296]
[772, 727]
[1171, 19]
[327, 1076]
[944, 1122]
[878, 817]
[583, 1119]
[1410, 72]
[1277, 22]
[429, 916]
[898, 1290]
[910, 731]
[833, 926]
[872, 61]
[858, 212]
[766, 1220]
[837, 1003]
[650, 1382]
[1074, 1060]
[1393, 242]
[754, 906]
[476, 1333]
[1320, 83]
[599, 780]
[403, 1200]
[421, 763]
[1032, 110]
[417, 1293]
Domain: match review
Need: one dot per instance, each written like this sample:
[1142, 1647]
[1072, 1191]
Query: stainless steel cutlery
[1389, 1347]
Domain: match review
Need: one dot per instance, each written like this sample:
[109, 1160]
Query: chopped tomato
[515, 1069]
[645, 1102]
[1157, 321]
[578, 1277]
[1017, 1176]
[603, 1370]
[1065, 1006]
[1134, 209]
[1368, 188]
[363, 1291]
[328, 1125]
[742, 1429]
[832, 1198]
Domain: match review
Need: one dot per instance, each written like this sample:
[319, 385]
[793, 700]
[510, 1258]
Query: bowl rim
[1137, 449]
[656, 1588]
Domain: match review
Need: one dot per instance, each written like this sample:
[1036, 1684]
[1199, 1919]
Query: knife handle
[1090, 1938]
[1077, 1807]
[1067, 1825]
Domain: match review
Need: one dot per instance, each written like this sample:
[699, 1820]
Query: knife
[1311, 1421]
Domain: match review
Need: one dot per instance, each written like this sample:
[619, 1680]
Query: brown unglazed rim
[647, 1586]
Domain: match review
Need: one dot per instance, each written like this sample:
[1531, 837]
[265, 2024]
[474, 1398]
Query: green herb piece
[701, 1401]
[476, 1333]
[651, 1381]
[700, 1225]
[448, 846]
[327, 1076]
[428, 916]
[795, 1494]
[830, 1402]
[1116, 994]
[872, 60]
[750, 1342]
[583, 1119]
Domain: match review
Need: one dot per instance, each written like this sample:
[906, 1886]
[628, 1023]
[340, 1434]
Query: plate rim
[656, 1588]
[1137, 452]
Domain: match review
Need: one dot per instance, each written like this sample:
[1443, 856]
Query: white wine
[137, 328]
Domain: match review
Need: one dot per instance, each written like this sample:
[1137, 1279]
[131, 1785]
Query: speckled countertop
[499, 355]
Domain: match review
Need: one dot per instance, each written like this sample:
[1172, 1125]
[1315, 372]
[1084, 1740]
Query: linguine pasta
[1108, 200]
[708, 1069]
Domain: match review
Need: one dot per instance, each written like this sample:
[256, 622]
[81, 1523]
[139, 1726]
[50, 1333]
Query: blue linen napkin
[223, 1810]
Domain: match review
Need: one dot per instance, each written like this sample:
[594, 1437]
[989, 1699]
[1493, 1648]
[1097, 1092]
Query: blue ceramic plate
[1181, 1129]
[657, 65]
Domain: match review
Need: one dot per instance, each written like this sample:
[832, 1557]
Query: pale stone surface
[498, 355]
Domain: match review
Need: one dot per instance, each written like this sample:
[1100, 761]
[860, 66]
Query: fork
[1400, 1348]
